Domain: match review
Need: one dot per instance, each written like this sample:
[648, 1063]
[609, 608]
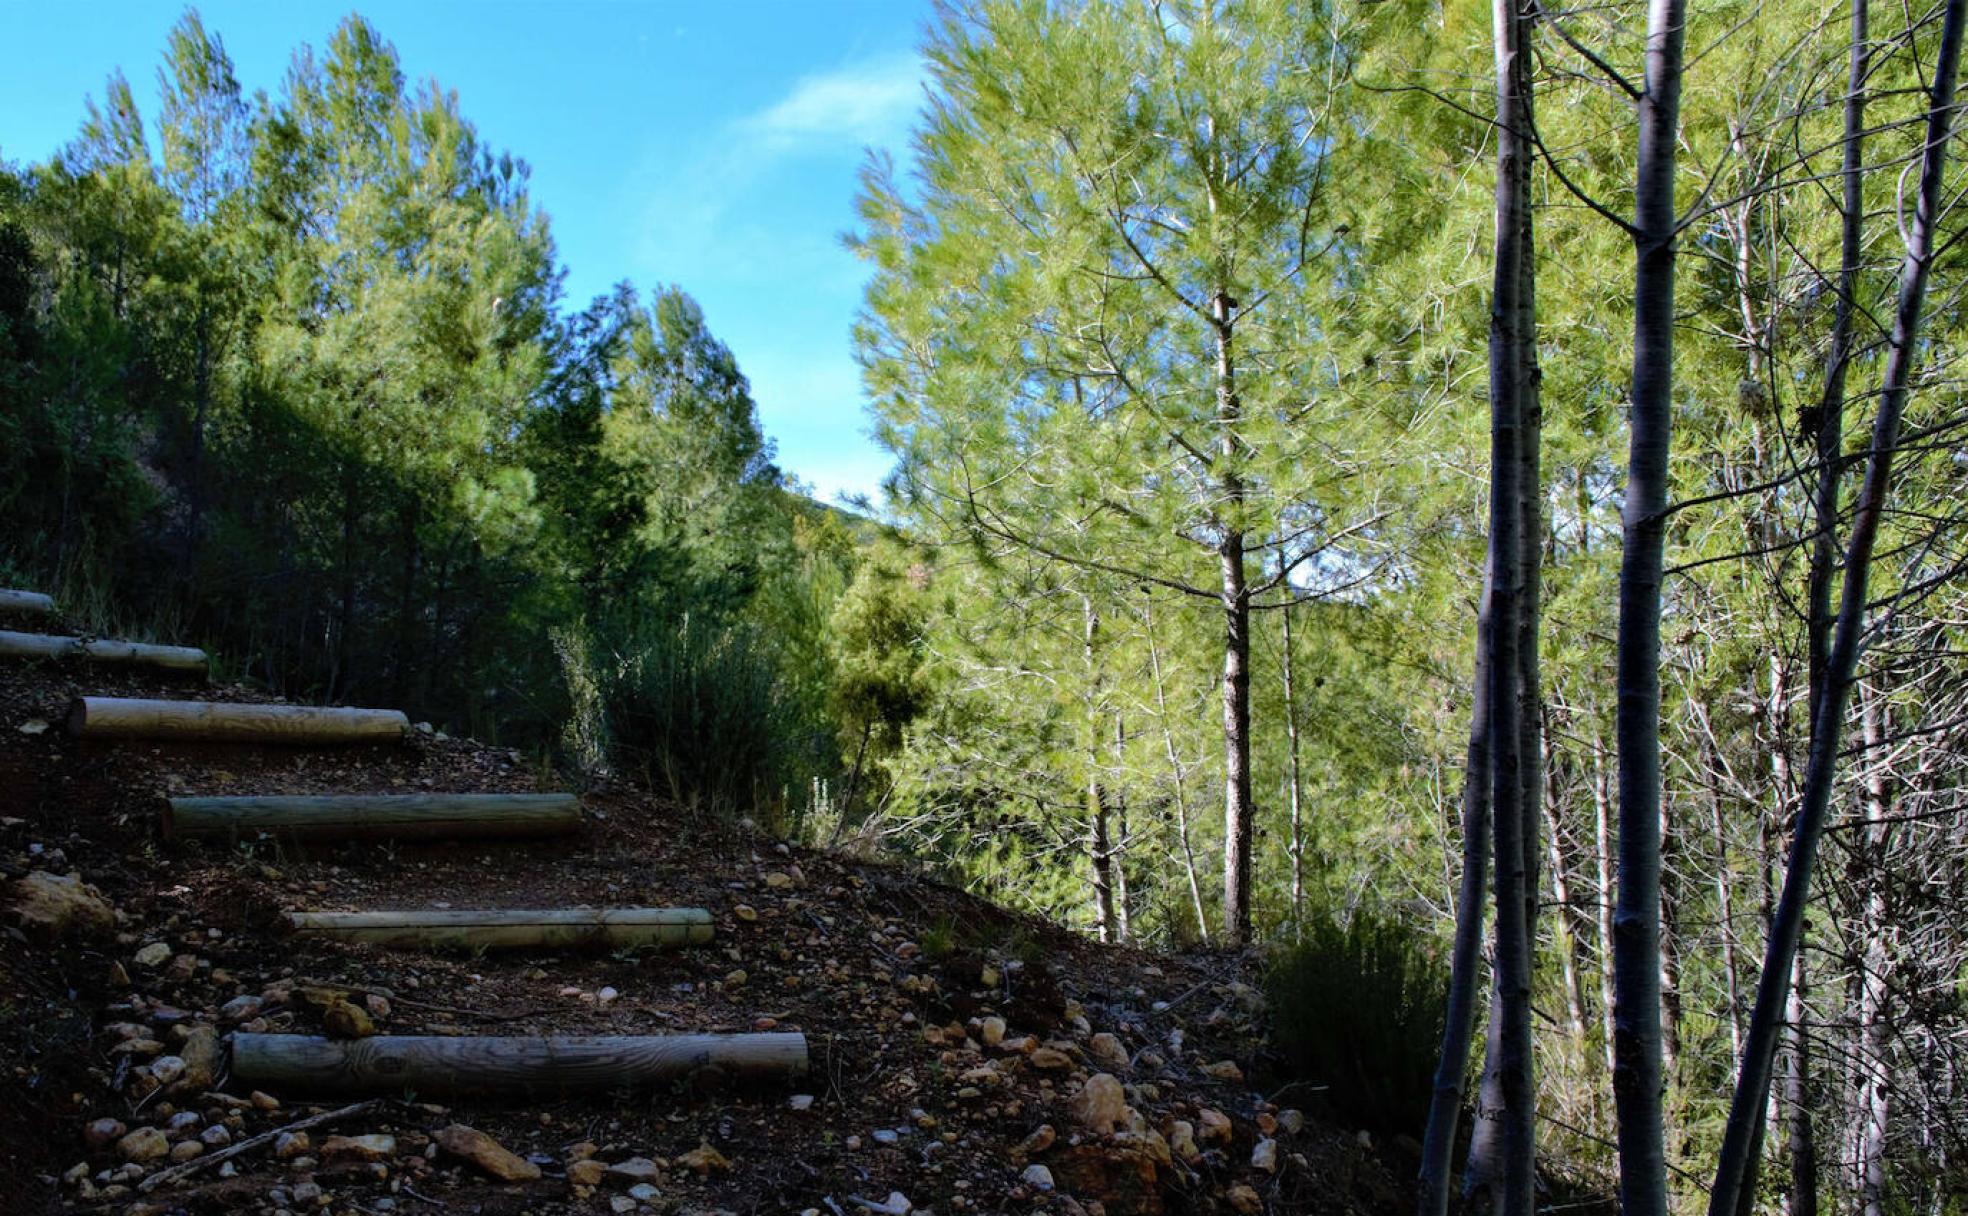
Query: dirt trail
[895, 980]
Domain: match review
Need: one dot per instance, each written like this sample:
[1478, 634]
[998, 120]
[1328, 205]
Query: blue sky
[709, 145]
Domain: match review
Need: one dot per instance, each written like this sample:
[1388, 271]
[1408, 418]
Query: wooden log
[378, 816]
[558, 928]
[216, 722]
[135, 654]
[26, 603]
[494, 1065]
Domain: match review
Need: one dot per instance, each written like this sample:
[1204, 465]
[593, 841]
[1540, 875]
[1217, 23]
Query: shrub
[1356, 1013]
[698, 712]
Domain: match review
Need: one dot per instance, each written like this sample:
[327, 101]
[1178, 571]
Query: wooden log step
[26, 603]
[515, 1065]
[558, 928]
[378, 816]
[135, 654]
[216, 722]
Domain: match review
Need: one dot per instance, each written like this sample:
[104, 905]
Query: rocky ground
[964, 1058]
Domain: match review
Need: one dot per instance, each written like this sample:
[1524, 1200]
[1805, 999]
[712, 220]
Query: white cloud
[871, 102]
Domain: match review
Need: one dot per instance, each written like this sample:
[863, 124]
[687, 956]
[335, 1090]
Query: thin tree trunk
[1602, 808]
[1100, 847]
[1873, 1094]
[1181, 793]
[1638, 1082]
[1561, 894]
[1466, 957]
[1119, 847]
[1297, 845]
[1502, 1173]
[1803, 1141]
[1238, 813]
[1787, 928]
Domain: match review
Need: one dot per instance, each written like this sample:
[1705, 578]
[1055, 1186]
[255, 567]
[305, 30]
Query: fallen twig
[200, 1163]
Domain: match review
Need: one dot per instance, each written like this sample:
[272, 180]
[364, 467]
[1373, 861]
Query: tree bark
[220, 722]
[377, 816]
[1181, 790]
[1502, 1174]
[484, 1065]
[557, 929]
[1787, 926]
[1297, 844]
[1637, 1073]
[1238, 813]
[131, 654]
[1873, 1096]
[26, 603]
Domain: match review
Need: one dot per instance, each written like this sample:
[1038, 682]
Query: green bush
[698, 712]
[1356, 1015]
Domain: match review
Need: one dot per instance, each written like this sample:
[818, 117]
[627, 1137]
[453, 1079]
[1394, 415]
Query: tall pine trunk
[1505, 691]
[1736, 1163]
[1238, 813]
[1638, 1080]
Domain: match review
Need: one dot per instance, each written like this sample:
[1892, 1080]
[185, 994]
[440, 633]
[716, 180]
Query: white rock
[153, 955]
[1265, 1156]
[1038, 1176]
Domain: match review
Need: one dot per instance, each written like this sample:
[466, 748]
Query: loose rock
[470, 1145]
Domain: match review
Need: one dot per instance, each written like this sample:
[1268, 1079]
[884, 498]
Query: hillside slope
[912, 1102]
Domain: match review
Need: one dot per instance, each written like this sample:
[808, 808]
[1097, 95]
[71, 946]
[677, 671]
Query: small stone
[185, 1150]
[166, 1069]
[345, 1021]
[486, 1154]
[200, 1054]
[358, 1148]
[1101, 1105]
[992, 1031]
[1224, 1070]
[1182, 1141]
[778, 882]
[1039, 1141]
[1292, 1121]
[1265, 1156]
[642, 1192]
[801, 1102]
[1212, 1127]
[144, 1144]
[1038, 1176]
[289, 1145]
[102, 1133]
[1244, 1199]
[307, 1194]
[586, 1172]
[634, 1170]
[621, 1203]
[182, 1124]
[153, 955]
[606, 996]
[736, 978]
[263, 1101]
[1107, 1050]
[988, 976]
[1051, 1059]
[745, 912]
[883, 1135]
[215, 1136]
[55, 906]
[241, 1008]
[704, 1159]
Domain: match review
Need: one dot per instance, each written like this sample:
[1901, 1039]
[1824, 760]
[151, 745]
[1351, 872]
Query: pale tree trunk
[1181, 790]
[1501, 1176]
[1602, 809]
[1873, 1096]
[1120, 843]
[1735, 1164]
[1100, 848]
[1802, 1139]
[1297, 845]
[1561, 894]
[1638, 1079]
[1238, 814]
